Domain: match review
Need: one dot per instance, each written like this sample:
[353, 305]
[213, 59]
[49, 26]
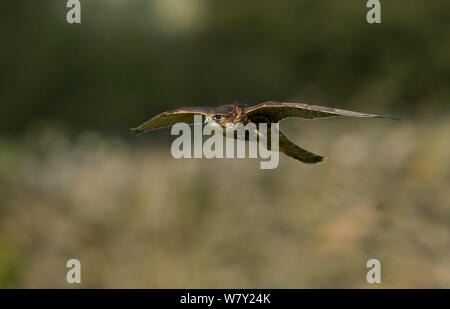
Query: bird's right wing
[277, 111]
[168, 119]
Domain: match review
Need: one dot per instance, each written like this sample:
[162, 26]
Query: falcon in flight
[267, 112]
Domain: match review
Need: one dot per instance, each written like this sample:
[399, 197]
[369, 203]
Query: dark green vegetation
[131, 59]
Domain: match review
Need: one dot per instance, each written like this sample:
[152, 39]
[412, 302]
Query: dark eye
[218, 117]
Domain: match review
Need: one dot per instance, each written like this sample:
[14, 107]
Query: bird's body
[267, 112]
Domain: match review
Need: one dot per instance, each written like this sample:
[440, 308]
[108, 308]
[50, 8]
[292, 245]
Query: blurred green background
[75, 184]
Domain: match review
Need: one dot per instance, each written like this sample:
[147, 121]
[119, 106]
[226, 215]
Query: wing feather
[277, 111]
[168, 119]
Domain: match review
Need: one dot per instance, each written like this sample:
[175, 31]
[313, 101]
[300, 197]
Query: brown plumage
[267, 112]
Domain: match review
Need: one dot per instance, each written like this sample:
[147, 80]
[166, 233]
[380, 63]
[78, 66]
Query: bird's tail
[296, 152]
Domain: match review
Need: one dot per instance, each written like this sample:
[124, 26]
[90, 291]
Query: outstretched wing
[276, 111]
[167, 119]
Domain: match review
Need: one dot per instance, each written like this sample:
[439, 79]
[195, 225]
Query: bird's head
[220, 119]
[221, 115]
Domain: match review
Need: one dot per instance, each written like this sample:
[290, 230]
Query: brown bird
[267, 112]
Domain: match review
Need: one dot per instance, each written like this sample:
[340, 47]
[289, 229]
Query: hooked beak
[207, 120]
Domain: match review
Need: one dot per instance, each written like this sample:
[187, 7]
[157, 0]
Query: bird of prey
[267, 112]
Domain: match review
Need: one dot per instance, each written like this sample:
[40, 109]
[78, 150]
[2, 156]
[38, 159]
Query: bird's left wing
[276, 111]
[167, 119]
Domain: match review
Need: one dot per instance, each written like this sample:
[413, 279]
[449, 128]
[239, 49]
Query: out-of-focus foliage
[136, 217]
[131, 59]
[73, 184]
